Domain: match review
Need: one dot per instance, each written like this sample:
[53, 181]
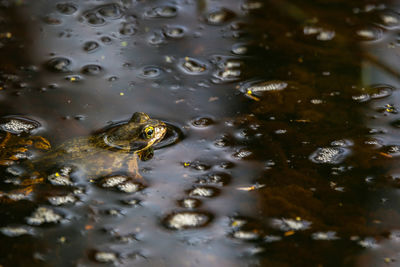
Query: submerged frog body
[115, 150]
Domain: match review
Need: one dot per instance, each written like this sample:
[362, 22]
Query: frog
[115, 150]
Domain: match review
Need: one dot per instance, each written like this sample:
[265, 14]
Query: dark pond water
[282, 144]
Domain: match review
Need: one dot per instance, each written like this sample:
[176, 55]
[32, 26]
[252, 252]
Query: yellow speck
[186, 58]
[57, 174]
[121, 94]
[124, 43]
[8, 35]
[387, 260]
[1, 88]
[62, 239]
[72, 79]
[249, 92]
[91, 180]
[289, 233]
[186, 164]
[298, 218]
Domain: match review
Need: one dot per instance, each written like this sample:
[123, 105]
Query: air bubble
[239, 49]
[111, 11]
[190, 203]
[106, 39]
[52, 20]
[156, 38]
[174, 32]
[94, 19]
[202, 122]
[44, 215]
[62, 200]
[219, 16]
[91, 46]
[150, 72]
[66, 8]
[250, 5]
[203, 192]
[246, 235]
[127, 29]
[162, 12]
[290, 224]
[14, 231]
[192, 66]
[330, 235]
[113, 181]
[217, 178]
[184, 220]
[105, 257]
[59, 64]
[369, 34]
[92, 69]
[380, 91]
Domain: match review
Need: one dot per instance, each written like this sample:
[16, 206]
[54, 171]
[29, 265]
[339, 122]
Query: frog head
[136, 136]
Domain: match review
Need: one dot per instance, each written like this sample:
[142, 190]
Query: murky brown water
[282, 147]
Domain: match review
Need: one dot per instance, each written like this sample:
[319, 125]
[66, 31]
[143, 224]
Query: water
[282, 143]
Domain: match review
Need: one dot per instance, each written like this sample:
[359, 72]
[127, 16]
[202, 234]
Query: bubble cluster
[184, 220]
[331, 155]
[43, 215]
[18, 125]
[99, 15]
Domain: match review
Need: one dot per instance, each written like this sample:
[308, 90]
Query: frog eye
[149, 132]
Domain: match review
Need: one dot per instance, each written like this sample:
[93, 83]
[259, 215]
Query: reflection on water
[281, 147]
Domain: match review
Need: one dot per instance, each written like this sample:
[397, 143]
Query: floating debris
[256, 89]
[44, 215]
[185, 220]
[251, 188]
